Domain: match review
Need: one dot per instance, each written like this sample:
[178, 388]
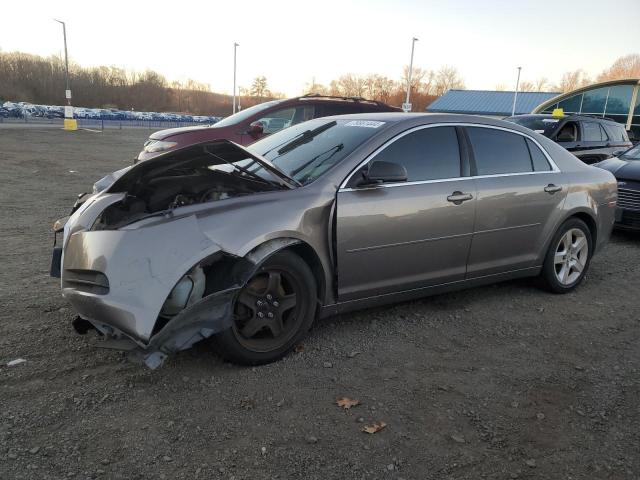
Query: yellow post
[70, 124]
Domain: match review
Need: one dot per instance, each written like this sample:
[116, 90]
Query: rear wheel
[272, 312]
[568, 257]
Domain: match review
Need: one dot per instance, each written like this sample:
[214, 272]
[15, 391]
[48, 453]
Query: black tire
[549, 275]
[293, 323]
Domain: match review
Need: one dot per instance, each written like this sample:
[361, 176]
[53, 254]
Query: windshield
[543, 125]
[632, 154]
[242, 115]
[307, 150]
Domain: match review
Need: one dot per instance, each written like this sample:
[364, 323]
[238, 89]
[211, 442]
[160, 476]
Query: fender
[214, 312]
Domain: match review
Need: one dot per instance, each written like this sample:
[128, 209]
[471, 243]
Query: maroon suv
[256, 122]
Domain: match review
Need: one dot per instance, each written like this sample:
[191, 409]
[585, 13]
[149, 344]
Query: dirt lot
[499, 382]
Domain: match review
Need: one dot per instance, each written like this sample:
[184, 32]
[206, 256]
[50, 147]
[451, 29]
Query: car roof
[338, 100]
[426, 118]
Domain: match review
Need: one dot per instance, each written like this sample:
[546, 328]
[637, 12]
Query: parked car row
[601, 142]
[590, 138]
[24, 109]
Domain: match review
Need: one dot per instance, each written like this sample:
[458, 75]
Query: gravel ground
[500, 382]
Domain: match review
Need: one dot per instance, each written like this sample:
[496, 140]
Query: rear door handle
[459, 197]
[551, 188]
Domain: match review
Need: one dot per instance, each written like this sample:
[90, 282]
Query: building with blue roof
[488, 102]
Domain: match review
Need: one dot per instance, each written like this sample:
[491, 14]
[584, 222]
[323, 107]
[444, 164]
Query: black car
[626, 168]
[591, 139]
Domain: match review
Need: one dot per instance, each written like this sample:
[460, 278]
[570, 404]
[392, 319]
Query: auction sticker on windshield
[364, 123]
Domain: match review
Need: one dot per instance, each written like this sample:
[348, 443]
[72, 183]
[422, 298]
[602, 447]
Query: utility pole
[69, 122]
[235, 48]
[407, 106]
[515, 95]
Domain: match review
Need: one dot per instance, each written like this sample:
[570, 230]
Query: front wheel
[568, 257]
[272, 313]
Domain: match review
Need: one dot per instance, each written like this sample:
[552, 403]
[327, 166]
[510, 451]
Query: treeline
[35, 79]
[627, 66]
[426, 86]
[40, 80]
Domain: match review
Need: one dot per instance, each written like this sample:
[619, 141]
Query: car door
[405, 235]
[520, 196]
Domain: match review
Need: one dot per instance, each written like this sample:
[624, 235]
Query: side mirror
[255, 129]
[383, 172]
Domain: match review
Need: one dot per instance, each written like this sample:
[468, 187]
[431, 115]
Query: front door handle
[458, 197]
[551, 188]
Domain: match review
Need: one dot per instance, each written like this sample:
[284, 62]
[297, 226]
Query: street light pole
[515, 95]
[66, 61]
[235, 48]
[407, 106]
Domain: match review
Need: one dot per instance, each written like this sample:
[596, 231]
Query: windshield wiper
[335, 149]
[304, 137]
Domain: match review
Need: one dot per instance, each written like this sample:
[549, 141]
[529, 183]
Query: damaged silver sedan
[247, 247]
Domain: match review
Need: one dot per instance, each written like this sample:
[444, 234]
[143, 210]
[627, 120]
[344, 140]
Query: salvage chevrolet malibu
[248, 246]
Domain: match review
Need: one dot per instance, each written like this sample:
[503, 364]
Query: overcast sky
[293, 42]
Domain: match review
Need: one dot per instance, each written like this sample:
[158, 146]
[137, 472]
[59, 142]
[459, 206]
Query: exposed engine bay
[202, 174]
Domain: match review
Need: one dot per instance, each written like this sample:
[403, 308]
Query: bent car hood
[226, 148]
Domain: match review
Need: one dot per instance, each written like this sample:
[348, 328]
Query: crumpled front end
[122, 277]
[119, 280]
[156, 260]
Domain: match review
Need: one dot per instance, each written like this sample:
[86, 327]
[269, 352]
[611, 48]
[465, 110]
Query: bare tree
[541, 84]
[447, 78]
[417, 76]
[349, 85]
[259, 87]
[624, 67]
[313, 87]
[379, 87]
[526, 86]
[572, 80]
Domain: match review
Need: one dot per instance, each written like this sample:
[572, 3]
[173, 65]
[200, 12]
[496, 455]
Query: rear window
[538, 160]
[592, 132]
[617, 133]
[543, 125]
[498, 152]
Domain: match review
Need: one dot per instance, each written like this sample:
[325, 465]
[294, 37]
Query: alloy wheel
[571, 256]
[266, 313]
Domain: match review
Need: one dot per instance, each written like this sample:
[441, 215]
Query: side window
[427, 154]
[539, 161]
[617, 133]
[303, 113]
[278, 119]
[337, 109]
[591, 132]
[568, 133]
[497, 151]
[603, 133]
